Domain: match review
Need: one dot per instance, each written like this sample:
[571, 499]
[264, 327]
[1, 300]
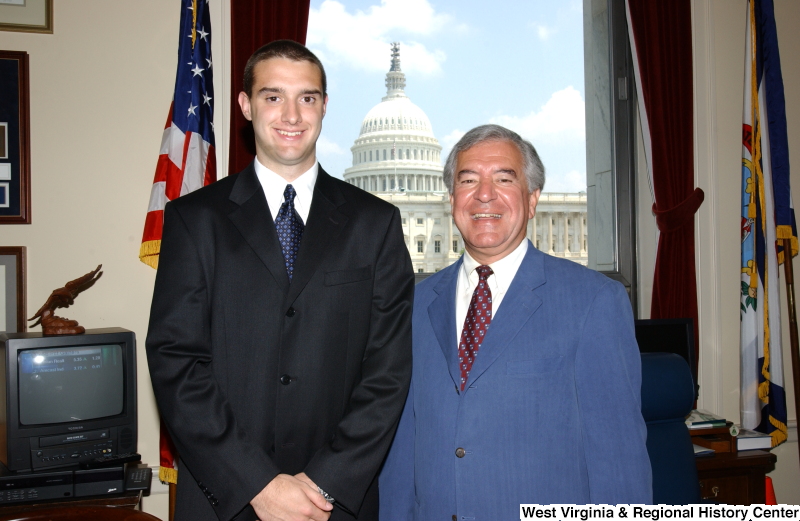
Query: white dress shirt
[274, 186]
[504, 271]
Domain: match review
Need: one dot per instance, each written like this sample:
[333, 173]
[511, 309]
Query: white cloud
[361, 39]
[543, 32]
[571, 182]
[449, 141]
[561, 118]
[327, 147]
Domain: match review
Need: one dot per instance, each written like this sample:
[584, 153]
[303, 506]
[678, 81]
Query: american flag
[187, 160]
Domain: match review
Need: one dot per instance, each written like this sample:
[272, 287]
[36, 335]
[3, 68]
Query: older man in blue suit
[526, 374]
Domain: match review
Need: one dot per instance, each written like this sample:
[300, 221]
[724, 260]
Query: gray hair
[531, 164]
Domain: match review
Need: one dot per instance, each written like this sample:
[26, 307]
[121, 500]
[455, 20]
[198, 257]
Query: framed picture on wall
[27, 16]
[15, 152]
[12, 289]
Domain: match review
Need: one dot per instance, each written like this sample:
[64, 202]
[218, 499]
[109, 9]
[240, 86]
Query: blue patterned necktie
[290, 229]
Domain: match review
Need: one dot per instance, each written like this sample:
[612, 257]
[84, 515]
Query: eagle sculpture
[62, 298]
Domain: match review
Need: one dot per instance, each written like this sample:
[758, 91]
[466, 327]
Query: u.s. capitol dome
[396, 148]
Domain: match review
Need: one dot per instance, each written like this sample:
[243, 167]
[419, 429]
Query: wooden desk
[735, 478]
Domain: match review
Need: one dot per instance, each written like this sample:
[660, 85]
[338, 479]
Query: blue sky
[467, 62]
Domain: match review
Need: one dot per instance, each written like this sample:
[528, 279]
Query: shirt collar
[274, 185]
[503, 270]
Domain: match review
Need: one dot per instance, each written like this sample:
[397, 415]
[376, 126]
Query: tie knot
[483, 272]
[288, 194]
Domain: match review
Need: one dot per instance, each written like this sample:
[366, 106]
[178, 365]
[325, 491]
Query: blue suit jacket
[552, 409]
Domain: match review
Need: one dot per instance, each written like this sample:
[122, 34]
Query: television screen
[58, 385]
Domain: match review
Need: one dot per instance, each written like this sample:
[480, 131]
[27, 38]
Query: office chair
[667, 397]
[668, 335]
[80, 513]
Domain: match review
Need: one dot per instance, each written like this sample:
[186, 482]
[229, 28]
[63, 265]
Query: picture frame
[15, 152]
[13, 289]
[27, 16]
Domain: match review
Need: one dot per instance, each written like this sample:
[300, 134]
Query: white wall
[100, 89]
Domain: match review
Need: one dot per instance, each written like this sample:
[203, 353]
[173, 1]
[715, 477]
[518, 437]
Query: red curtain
[254, 23]
[662, 33]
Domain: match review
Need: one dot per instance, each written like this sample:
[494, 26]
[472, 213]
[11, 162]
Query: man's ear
[244, 103]
[532, 202]
[325, 106]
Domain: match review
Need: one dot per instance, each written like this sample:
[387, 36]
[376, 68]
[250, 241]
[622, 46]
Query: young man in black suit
[279, 343]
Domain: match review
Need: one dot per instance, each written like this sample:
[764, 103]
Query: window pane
[555, 89]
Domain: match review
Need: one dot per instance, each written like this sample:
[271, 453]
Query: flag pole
[789, 271]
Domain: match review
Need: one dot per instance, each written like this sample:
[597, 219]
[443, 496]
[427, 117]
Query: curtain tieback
[680, 215]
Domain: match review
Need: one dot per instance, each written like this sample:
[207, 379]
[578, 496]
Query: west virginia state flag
[767, 219]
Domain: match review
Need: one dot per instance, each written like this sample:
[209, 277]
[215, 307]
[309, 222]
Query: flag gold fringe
[167, 475]
[763, 387]
[780, 434]
[148, 253]
[784, 231]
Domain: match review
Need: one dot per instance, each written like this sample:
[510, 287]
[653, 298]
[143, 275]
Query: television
[668, 335]
[66, 399]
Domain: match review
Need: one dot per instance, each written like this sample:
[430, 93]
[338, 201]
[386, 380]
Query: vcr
[17, 487]
[70, 449]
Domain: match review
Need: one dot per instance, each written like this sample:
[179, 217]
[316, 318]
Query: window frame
[623, 114]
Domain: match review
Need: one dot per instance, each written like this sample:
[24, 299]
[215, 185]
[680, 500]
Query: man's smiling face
[490, 201]
[286, 106]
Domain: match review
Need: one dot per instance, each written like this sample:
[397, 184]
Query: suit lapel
[442, 314]
[325, 223]
[518, 304]
[253, 219]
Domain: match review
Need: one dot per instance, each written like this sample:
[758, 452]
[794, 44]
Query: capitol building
[397, 157]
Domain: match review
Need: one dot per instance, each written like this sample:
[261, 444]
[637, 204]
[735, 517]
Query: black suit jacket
[255, 376]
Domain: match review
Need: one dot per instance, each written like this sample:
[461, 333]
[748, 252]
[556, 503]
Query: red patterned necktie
[479, 316]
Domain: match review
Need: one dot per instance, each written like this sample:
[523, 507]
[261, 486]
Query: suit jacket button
[286, 379]
[290, 312]
[460, 452]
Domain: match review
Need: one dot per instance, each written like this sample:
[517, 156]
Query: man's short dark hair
[287, 49]
[531, 164]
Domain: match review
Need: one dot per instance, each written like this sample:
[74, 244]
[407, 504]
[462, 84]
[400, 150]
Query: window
[420, 270]
[419, 246]
[404, 221]
[384, 155]
[420, 221]
[437, 221]
[437, 246]
[604, 74]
